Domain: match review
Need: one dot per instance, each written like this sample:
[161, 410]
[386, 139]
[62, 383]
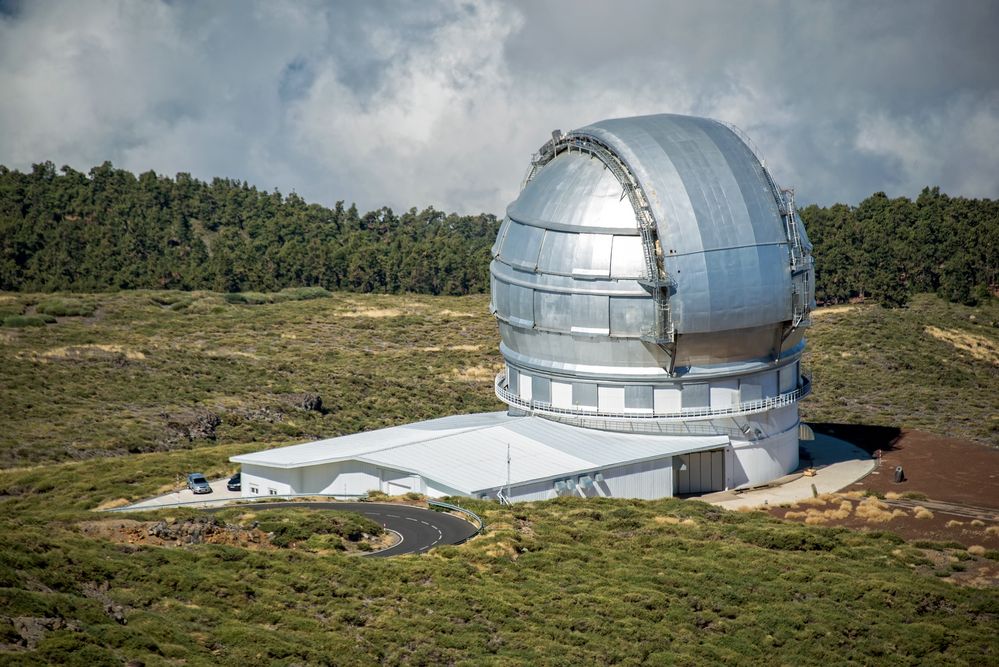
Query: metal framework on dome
[662, 331]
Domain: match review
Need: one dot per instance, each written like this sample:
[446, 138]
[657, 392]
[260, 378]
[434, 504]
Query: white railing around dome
[745, 408]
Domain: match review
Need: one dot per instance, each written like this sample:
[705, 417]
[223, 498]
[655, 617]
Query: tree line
[887, 249]
[109, 229]
[63, 230]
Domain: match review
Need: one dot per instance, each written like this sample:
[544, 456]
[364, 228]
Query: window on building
[272, 492]
[255, 490]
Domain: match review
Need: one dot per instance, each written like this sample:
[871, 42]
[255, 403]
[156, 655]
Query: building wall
[648, 480]
[348, 478]
[761, 461]
[262, 481]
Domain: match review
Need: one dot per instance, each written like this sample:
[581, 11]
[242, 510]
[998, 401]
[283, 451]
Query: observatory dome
[651, 277]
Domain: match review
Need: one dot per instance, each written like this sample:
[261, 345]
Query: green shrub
[302, 527]
[20, 321]
[10, 310]
[790, 539]
[305, 293]
[66, 308]
[287, 294]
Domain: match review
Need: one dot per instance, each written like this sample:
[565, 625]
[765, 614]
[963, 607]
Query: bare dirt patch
[171, 532]
[366, 311]
[950, 495]
[833, 310]
[89, 352]
[941, 468]
[977, 346]
[477, 373]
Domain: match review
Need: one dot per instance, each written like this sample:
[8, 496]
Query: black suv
[235, 482]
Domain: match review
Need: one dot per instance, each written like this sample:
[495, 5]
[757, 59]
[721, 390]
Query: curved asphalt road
[420, 529]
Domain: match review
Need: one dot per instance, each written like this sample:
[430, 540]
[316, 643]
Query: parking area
[219, 494]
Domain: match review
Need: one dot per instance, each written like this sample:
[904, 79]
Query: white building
[467, 455]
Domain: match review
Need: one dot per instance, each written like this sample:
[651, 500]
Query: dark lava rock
[312, 402]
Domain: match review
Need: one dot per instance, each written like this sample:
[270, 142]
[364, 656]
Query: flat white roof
[468, 453]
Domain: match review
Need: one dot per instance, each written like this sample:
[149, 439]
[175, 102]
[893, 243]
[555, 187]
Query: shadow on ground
[869, 438]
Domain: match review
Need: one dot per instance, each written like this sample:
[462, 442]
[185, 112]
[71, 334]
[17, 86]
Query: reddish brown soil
[941, 468]
[937, 469]
[947, 469]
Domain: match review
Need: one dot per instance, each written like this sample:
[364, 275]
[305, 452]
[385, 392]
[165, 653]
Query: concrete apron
[837, 464]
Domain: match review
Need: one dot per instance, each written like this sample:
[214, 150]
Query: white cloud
[953, 148]
[442, 103]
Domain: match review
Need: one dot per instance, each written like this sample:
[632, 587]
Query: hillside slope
[156, 371]
[137, 375]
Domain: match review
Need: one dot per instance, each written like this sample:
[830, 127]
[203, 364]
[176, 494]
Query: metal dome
[646, 259]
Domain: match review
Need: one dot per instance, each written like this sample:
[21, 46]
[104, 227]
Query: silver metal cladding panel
[716, 216]
[521, 246]
[575, 192]
[627, 260]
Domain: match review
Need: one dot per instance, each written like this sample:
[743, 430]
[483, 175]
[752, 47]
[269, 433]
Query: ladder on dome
[788, 213]
[800, 262]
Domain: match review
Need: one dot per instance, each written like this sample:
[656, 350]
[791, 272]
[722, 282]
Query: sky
[442, 102]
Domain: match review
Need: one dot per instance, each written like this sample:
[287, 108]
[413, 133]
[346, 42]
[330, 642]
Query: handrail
[744, 408]
[457, 508]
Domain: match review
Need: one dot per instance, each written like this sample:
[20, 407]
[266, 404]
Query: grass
[569, 581]
[22, 321]
[885, 367]
[114, 383]
[65, 307]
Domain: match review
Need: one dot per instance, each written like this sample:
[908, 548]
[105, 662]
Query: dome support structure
[661, 331]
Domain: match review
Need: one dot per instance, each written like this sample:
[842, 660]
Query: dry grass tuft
[90, 352]
[992, 530]
[954, 524]
[976, 550]
[669, 520]
[978, 523]
[832, 310]
[922, 513]
[111, 504]
[977, 346]
[873, 510]
[364, 311]
[476, 373]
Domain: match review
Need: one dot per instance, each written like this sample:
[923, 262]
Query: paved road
[420, 529]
